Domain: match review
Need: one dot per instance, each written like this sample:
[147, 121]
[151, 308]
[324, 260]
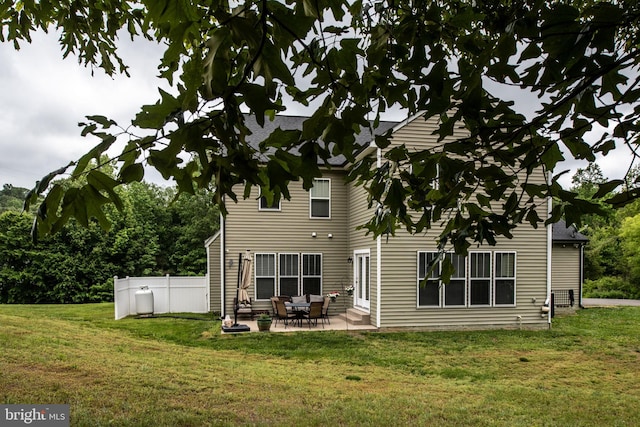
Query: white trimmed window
[455, 292]
[320, 198]
[289, 274]
[265, 274]
[480, 278]
[312, 274]
[475, 280]
[428, 287]
[504, 285]
[263, 205]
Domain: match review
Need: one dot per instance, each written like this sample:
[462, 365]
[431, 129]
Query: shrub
[610, 287]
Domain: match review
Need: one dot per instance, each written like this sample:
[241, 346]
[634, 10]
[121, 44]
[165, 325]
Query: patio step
[354, 316]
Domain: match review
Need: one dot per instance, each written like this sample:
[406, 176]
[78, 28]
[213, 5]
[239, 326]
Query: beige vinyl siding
[290, 231]
[399, 278]
[565, 268]
[359, 241]
[214, 270]
[399, 305]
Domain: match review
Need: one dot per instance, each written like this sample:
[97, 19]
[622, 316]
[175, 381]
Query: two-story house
[310, 244]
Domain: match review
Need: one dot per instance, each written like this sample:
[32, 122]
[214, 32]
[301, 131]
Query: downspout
[581, 275]
[549, 254]
[378, 259]
[223, 259]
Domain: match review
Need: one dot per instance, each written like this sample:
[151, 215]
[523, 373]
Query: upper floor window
[320, 198]
[263, 205]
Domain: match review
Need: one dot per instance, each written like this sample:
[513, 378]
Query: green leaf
[103, 121]
[95, 153]
[102, 182]
[607, 187]
[132, 173]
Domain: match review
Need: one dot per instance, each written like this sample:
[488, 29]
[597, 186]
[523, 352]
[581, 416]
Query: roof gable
[260, 133]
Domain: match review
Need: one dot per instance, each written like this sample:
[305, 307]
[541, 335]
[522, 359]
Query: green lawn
[171, 371]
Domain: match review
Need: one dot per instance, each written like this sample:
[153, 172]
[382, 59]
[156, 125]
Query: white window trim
[261, 209]
[465, 277]
[303, 276]
[311, 198]
[418, 280]
[280, 276]
[490, 278]
[468, 281]
[256, 277]
[514, 278]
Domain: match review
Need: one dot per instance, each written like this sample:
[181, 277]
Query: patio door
[362, 283]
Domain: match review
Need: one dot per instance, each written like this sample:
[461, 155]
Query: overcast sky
[44, 98]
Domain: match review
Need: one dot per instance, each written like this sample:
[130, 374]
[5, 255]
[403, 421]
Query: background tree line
[155, 233]
[612, 257]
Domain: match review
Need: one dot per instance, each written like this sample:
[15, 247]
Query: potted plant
[349, 290]
[264, 322]
[333, 295]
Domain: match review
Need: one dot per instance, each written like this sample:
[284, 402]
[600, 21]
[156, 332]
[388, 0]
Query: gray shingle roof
[259, 133]
[567, 234]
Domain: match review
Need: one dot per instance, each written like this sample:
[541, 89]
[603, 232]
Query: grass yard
[172, 371]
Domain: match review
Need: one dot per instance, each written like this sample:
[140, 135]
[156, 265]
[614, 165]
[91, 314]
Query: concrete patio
[338, 323]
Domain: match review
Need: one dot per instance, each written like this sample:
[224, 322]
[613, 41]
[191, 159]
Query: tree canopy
[351, 61]
[149, 236]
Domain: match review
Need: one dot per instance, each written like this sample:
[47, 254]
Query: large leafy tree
[452, 60]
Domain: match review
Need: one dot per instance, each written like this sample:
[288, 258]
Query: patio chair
[283, 314]
[325, 309]
[315, 313]
[273, 306]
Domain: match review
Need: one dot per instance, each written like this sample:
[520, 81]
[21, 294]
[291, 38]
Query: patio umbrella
[245, 280]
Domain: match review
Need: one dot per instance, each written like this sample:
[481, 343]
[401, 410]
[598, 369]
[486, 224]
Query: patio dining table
[299, 308]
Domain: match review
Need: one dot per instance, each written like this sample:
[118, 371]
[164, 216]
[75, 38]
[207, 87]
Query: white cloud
[44, 98]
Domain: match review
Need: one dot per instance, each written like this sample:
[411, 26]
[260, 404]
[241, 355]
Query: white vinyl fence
[188, 294]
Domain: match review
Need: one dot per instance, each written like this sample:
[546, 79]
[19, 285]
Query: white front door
[361, 280]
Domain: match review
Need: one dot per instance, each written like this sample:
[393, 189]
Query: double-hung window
[480, 278]
[504, 285]
[455, 292]
[289, 266]
[483, 279]
[265, 273]
[320, 198]
[428, 281]
[312, 274]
